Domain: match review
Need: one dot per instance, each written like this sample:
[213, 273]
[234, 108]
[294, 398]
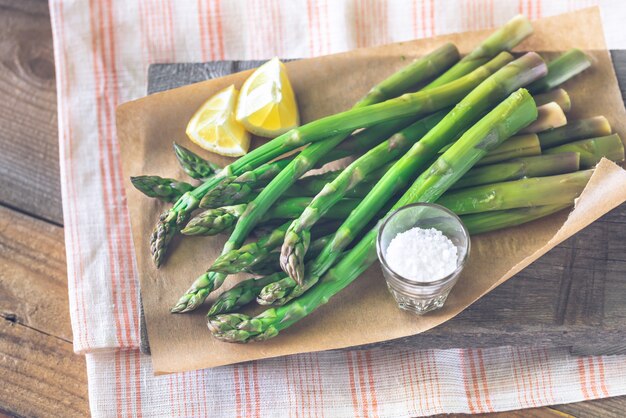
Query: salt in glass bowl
[414, 296]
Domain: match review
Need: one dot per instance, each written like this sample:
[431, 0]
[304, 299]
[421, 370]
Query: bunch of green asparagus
[486, 136]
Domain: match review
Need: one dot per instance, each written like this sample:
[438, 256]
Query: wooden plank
[570, 297]
[33, 278]
[521, 413]
[605, 408]
[41, 376]
[29, 165]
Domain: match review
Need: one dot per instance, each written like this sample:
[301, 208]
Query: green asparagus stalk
[252, 253]
[311, 185]
[592, 150]
[235, 189]
[363, 115]
[538, 166]
[559, 96]
[397, 177]
[298, 235]
[265, 266]
[340, 124]
[564, 67]
[167, 190]
[468, 111]
[504, 39]
[195, 166]
[271, 263]
[215, 221]
[241, 294]
[550, 116]
[479, 223]
[363, 140]
[528, 145]
[241, 189]
[529, 192]
[306, 186]
[309, 156]
[575, 130]
[431, 65]
[516, 147]
[245, 188]
[515, 112]
[248, 255]
[418, 71]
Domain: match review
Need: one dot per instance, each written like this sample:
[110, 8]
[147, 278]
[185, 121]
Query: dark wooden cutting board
[573, 296]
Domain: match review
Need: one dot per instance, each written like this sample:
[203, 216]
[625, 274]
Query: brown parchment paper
[325, 85]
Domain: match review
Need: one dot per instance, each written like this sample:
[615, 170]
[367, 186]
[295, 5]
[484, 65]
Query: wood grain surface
[572, 296]
[28, 130]
[40, 375]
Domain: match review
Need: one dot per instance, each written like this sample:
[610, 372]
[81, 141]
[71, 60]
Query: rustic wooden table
[40, 375]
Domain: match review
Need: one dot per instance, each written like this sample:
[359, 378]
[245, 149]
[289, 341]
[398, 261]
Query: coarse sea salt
[422, 255]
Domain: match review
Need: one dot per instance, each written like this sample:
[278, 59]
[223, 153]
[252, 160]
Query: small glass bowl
[413, 296]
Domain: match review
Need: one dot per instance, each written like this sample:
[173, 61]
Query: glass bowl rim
[401, 278]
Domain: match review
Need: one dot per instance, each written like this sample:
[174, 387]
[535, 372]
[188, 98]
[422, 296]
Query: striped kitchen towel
[102, 51]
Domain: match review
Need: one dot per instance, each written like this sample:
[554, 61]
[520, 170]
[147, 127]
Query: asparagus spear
[559, 96]
[538, 166]
[312, 185]
[564, 67]
[195, 166]
[574, 130]
[171, 221]
[418, 71]
[167, 190]
[286, 289]
[309, 156]
[298, 235]
[479, 223]
[504, 39]
[429, 66]
[364, 114]
[241, 294]
[240, 189]
[249, 254]
[363, 140]
[536, 191]
[215, 221]
[468, 111]
[265, 266]
[246, 188]
[514, 113]
[550, 116]
[235, 189]
[271, 263]
[593, 149]
[516, 147]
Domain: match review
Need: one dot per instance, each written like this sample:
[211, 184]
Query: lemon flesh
[267, 104]
[215, 128]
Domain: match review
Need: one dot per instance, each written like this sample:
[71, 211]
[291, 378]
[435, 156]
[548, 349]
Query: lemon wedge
[267, 105]
[214, 127]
